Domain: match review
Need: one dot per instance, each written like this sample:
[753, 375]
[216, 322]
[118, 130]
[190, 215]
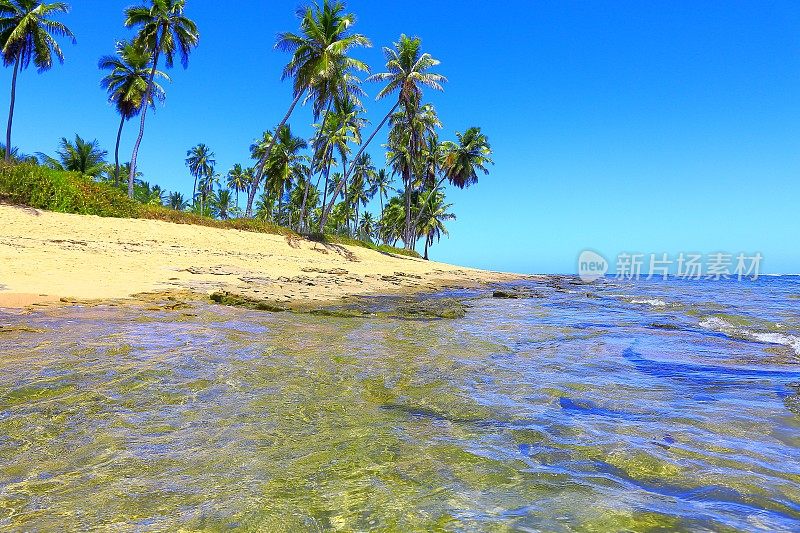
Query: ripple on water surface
[580, 410]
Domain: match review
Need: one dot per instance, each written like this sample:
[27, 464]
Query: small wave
[723, 326]
[652, 301]
[779, 338]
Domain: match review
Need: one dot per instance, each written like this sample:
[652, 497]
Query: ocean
[611, 406]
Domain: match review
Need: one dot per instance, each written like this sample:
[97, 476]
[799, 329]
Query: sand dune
[48, 256]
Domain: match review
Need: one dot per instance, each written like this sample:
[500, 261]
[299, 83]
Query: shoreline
[49, 258]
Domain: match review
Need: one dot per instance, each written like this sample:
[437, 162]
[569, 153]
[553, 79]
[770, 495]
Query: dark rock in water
[19, 329]
[340, 313]
[793, 403]
[434, 308]
[515, 294]
[235, 300]
[659, 325]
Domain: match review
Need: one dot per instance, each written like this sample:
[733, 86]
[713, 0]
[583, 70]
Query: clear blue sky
[661, 126]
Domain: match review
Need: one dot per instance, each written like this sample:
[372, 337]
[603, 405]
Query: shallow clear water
[620, 406]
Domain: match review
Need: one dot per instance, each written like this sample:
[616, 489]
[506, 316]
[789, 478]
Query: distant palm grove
[324, 184]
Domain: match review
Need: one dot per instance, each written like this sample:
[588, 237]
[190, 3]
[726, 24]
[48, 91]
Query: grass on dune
[68, 192]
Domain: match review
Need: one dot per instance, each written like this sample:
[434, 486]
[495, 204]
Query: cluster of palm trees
[312, 185]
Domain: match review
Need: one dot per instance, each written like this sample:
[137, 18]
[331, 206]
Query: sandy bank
[47, 256]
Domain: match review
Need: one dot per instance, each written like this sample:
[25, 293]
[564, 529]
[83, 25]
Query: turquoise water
[646, 406]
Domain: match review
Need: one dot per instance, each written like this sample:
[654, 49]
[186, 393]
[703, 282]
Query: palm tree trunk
[145, 104]
[194, 192]
[427, 240]
[325, 190]
[11, 108]
[301, 224]
[344, 196]
[326, 210]
[408, 238]
[116, 153]
[261, 164]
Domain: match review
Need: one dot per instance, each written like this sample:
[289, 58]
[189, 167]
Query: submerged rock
[19, 329]
[424, 309]
[340, 313]
[235, 300]
[659, 325]
[434, 308]
[516, 294]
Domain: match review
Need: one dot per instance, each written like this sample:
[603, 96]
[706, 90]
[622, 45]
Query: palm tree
[222, 204]
[237, 180]
[79, 156]
[125, 174]
[345, 125]
[149, 195]
[163, 29]
[206, 189]
[16, 156]
[392, 223]
[126, 84]
[319, 62]
[200, 160]
[309, 201]
[382, 184]
[432, 225]
[407, 70]
[361, 187]
[265, 207]
[27, 33]
[462, 161]
[286, 164]
[177, 202]
[412, 128]
[367, 227]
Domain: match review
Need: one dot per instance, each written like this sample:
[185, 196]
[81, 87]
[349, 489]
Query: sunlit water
[620, 406]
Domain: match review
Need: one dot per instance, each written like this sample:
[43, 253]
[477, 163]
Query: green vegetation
[62, 191]
[312, 185]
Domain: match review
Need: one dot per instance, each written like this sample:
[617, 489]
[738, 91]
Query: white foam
[654, 302]
[779, 338]
[723, 326]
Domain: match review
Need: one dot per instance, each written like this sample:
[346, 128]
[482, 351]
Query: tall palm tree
[361, 188]
[206, 186]
[163, 29]
[200, 160]
[286, 164]
[27, 33]
[382, 184]
[412, 127]
[81, 156]
[407, 71]
[238, 180]
[319, 62]
[344, 128]
[126, 84]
